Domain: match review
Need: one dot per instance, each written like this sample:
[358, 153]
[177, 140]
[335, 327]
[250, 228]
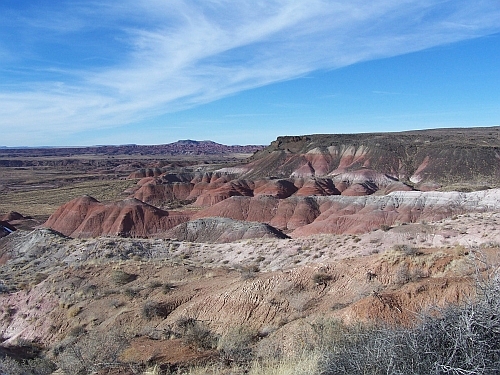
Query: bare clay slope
[339, 214]
[103, 294]
[441, 155]
[58, 291]
[87, 217]
[221, 230]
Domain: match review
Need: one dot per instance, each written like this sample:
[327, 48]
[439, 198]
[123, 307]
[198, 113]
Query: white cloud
[183, 53]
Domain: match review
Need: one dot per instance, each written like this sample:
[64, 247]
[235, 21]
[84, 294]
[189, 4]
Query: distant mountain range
[181, 147]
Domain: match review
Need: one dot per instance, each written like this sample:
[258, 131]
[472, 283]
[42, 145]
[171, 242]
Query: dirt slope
[87, 217]
[340, 214]
[221, 230]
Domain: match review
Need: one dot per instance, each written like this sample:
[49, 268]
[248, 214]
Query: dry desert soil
[199, 258]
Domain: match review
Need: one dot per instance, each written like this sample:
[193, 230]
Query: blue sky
[242, 71]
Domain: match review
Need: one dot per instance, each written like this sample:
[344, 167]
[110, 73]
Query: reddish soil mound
[343, 214]
[11, 216]
[87, 217]
[317, 186]
[211, 188]
[146, 172]
[157, 193]
[209, 197]
[284, 214]
[359, 190]
[173, 352]
[275, 188]
[206, 183]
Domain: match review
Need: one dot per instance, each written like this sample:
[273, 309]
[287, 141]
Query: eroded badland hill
[226, 262]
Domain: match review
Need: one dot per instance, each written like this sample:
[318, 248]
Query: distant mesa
[183, 147]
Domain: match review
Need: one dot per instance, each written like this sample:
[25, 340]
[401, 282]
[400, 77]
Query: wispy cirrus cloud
[126, 63]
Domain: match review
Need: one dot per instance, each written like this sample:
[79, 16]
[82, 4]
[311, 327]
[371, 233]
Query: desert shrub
[321, 278]
[77, 331]
[456, 340]
[305, 364]
[120, 277]
[90, 290]
[385, 227]
[236, 344]
[114, 303]
[3, 288]
[74, 311]
[153, 309]
[403, 274]
[91, 352]
[35, 366]
[406, 249]
[249, 271]
[167, 288]
[196, 333]
[131, 292]
[29, 360]
[154, 284]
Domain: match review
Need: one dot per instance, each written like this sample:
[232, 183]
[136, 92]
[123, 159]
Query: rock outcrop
[87, 217]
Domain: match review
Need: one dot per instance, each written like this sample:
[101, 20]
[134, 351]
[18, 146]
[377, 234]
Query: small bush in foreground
[406, 250]
[36, 366]
[90, 353]
[321, 278]
[460, 340]
[121, 277]
[196, 333]
[236, 344]
[152, 309]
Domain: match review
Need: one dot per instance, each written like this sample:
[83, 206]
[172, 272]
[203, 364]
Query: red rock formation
[343, 214]
[207, 182]
[317, 186]
[276, 188]
[87, 217]
[283, 214]
[157, 193]
[146, 180]
[366, 182]
[357, 190]
[145, 172]
[209, 197]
